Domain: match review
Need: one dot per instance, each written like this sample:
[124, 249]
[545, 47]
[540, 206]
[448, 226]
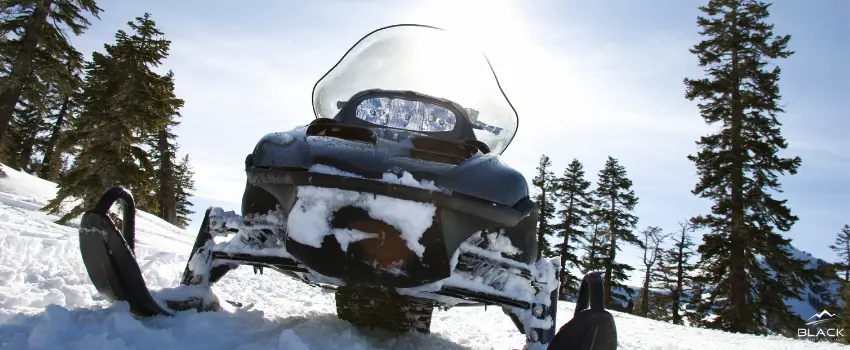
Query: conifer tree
[618, 200]
[123, 102]
[573, 191]
[37, 50]
[544, 184]
[738, 168]
[164, 157]
[64, 106]
[23, 137]
[841, 247]
[185, 189]
[675, 269]
[594, 246]
[658, 307]
[699, 295]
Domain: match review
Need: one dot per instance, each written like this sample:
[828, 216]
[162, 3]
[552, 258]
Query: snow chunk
[346, 236]
[329, 170]
[246, 239]
[309, 220]
[509, 285]
[407, 179]
[221, 220]
[499, 242]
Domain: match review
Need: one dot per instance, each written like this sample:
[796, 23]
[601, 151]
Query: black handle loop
[128, 208]
[591, 293]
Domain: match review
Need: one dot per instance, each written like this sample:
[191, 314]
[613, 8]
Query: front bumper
[385, 261]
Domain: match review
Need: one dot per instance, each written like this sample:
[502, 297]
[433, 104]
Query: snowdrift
[47, 301]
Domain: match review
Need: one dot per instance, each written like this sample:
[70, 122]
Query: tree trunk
[847, 268]
[48, 163]
[592, 253]
[167, 185]
[680, 276]
[612, 252]
[26, 154]
[566, 245]
[645, 302]
[738, 292]
[647, 264]
[21, 69]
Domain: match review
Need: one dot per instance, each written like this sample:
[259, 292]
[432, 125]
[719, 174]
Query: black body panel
[457, 167]
[458, 218]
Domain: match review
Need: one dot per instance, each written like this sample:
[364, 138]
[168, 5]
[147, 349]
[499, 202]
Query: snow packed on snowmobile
[394, 196]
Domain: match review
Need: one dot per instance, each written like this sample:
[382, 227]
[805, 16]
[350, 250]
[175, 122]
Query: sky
[589, 79]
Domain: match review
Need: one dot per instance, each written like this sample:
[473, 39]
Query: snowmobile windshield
[428, 61]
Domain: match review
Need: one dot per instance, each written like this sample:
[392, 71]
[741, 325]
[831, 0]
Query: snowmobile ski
[109, 255]
[592, 327]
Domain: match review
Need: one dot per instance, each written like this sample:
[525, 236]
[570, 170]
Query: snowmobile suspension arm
[465, 261]
[483, 298]
[276, 262]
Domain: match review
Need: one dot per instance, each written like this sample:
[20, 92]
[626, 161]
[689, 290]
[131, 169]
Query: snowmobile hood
[428, 61]
[375, 153]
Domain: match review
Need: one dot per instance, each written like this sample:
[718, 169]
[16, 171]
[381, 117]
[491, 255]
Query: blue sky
[588, 78]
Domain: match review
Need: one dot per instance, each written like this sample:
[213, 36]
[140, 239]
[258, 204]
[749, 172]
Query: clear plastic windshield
[429, 61]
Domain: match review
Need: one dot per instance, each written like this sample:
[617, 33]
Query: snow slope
[47, 301]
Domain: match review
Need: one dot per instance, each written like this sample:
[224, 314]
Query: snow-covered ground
[48, 302]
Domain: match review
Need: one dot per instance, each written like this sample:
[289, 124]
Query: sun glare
[490, 25]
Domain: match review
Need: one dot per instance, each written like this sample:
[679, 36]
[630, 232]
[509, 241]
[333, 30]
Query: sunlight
[493, 26]
[501, 29]
[527, 71]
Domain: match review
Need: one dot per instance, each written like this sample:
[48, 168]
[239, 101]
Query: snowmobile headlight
[406, 114]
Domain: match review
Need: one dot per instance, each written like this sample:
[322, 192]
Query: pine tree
[594, 246]
[658, 307]
[38, 50]
[738, 168]
[675, 270]
[841, 271]
[700, 296]
[653, 237]
[64, 107]
[163, 154]
[164, 158]
[123, 103]
[23, 137]
[39, 121]
[185, 189]
[618, 200]
[841, 247]
[544, 184]
[573, 191]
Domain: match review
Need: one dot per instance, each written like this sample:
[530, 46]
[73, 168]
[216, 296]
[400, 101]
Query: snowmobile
[394, 196]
